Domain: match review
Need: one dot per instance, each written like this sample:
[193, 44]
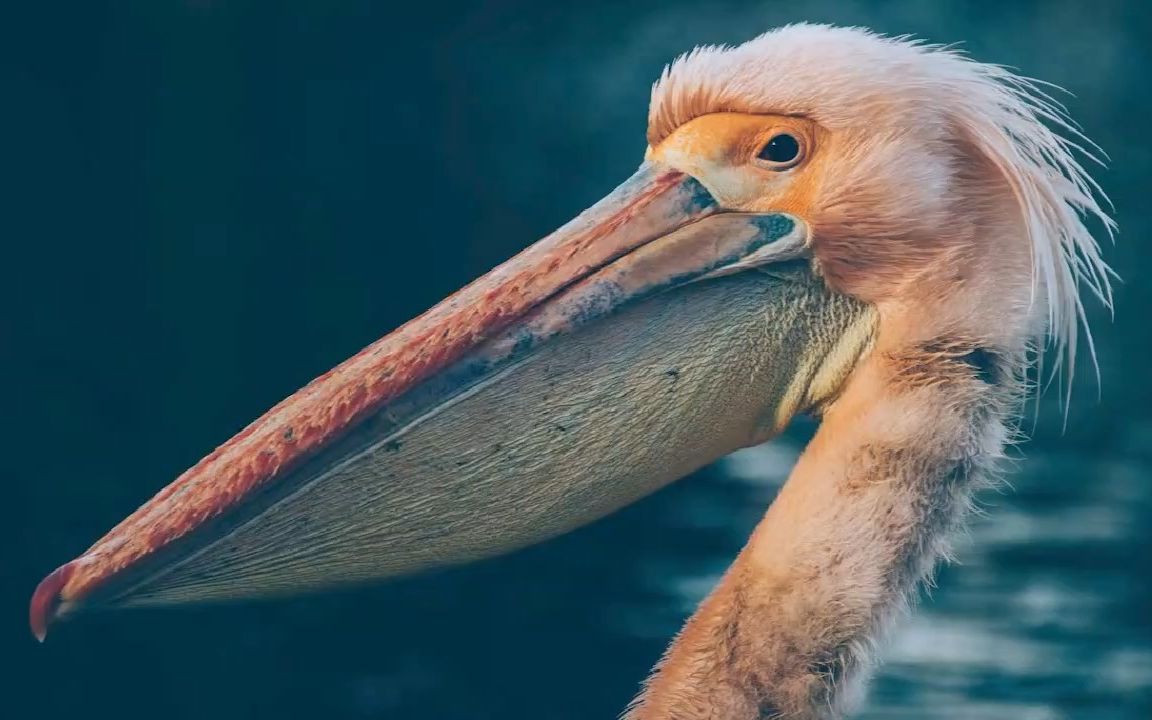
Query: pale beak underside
[584, 373]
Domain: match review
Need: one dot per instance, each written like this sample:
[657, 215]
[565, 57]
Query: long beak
[585, 372]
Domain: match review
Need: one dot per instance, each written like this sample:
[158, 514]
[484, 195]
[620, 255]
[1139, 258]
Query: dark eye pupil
[781, 149]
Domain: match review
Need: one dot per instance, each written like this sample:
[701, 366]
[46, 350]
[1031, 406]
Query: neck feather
[790, 630]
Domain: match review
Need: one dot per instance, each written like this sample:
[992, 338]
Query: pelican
[879, 232]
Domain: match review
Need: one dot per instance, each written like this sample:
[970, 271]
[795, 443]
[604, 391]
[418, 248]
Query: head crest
[839, 76]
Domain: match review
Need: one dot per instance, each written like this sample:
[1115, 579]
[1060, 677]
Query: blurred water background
[209, 202]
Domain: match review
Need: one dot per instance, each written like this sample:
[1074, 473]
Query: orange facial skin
[721, 151]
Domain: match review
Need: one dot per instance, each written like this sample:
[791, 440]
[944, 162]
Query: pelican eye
[781, 152]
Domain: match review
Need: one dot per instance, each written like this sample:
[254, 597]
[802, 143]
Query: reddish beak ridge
[655, 201]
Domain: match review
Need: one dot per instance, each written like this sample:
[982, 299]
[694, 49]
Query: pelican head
[826, 220]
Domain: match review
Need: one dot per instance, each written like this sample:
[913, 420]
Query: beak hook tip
[46, 600]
